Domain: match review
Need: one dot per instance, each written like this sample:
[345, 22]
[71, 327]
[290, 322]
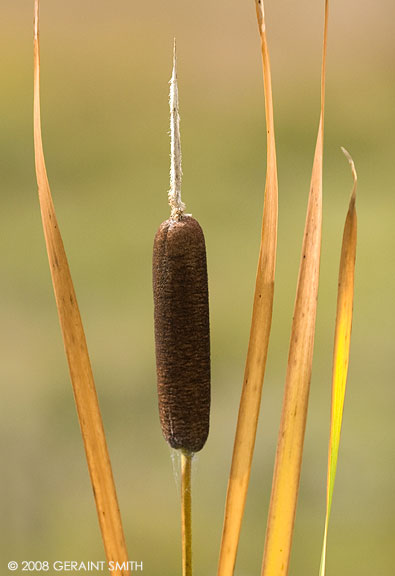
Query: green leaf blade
[341, 352]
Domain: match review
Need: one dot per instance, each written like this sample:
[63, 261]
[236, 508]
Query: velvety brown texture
[182, 337]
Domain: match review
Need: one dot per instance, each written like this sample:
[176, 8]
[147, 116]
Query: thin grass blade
[345, 299]
[76, 350]
[286, 477]
[259, 337]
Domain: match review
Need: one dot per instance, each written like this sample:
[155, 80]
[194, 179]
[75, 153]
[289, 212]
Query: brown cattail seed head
[182, 338]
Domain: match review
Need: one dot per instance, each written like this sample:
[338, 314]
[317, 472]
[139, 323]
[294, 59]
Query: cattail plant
[182, 345]
[182, 338]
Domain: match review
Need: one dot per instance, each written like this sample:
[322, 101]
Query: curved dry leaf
[76, 349]
[286, 477]
[259, 338]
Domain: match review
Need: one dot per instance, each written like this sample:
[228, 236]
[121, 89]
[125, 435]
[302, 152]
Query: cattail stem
[186, 513]
[182, 335]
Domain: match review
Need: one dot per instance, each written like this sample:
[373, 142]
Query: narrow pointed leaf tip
[76, 350]
[288, 463]
[353, 172]
[345, 298]
[259, 339]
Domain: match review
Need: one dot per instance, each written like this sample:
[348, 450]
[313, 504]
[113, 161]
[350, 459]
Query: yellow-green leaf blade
[287, 468]
[341, 352]
[259, 338]
[76, 350]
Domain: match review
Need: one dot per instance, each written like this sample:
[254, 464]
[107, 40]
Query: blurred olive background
[105, 70]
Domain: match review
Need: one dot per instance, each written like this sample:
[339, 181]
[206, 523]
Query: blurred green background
[105, 71]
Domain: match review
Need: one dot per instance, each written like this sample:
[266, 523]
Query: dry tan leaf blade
[285, 485]
[76, 350]
[259, 338]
